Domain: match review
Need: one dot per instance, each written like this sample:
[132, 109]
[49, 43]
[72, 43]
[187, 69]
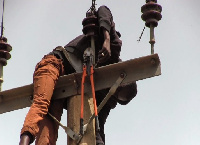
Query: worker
[38, 124]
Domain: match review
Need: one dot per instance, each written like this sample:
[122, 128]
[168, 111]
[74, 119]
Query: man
[37, 123]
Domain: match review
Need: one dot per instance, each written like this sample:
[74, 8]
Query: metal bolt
[153, 61]
[31, 97]
[122, 75]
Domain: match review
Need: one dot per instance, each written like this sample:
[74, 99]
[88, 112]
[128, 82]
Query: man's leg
[45, 78]
[103, 114]
[48, 132]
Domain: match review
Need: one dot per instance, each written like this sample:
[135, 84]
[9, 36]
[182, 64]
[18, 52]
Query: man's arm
[105, 18]
[112, 44]
[105, 53]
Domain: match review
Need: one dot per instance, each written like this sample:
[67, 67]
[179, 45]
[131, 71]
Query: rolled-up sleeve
[105, 18]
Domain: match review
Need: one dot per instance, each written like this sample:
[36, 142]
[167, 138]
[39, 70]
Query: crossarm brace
[68, 131]
[78, 137]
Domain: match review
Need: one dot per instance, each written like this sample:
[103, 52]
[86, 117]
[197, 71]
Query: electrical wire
[141, 34]
[2, 20]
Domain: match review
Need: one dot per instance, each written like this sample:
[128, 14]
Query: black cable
[141, 34]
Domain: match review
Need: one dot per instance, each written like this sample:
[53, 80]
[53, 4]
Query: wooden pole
[73, 119]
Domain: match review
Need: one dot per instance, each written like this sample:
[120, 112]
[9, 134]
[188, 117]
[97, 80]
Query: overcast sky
[166, 110]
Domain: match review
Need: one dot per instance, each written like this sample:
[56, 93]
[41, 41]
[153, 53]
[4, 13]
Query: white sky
[166, 110]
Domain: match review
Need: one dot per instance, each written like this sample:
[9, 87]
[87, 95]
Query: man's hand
[105, 53]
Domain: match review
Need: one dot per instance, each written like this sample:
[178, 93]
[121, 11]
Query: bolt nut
[153, 61]
[122, 75]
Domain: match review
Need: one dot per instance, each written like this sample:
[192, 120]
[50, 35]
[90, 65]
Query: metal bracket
[78, 137]
[68, 131]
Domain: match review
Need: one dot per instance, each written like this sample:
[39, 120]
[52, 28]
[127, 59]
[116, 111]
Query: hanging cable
[141, 34]
[2, 21]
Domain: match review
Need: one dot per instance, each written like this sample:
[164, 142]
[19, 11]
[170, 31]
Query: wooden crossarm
[69, 85]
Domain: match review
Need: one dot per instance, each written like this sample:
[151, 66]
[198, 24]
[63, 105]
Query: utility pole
[70, 86]
[73, 117]
[5, 49]
[151, 15]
